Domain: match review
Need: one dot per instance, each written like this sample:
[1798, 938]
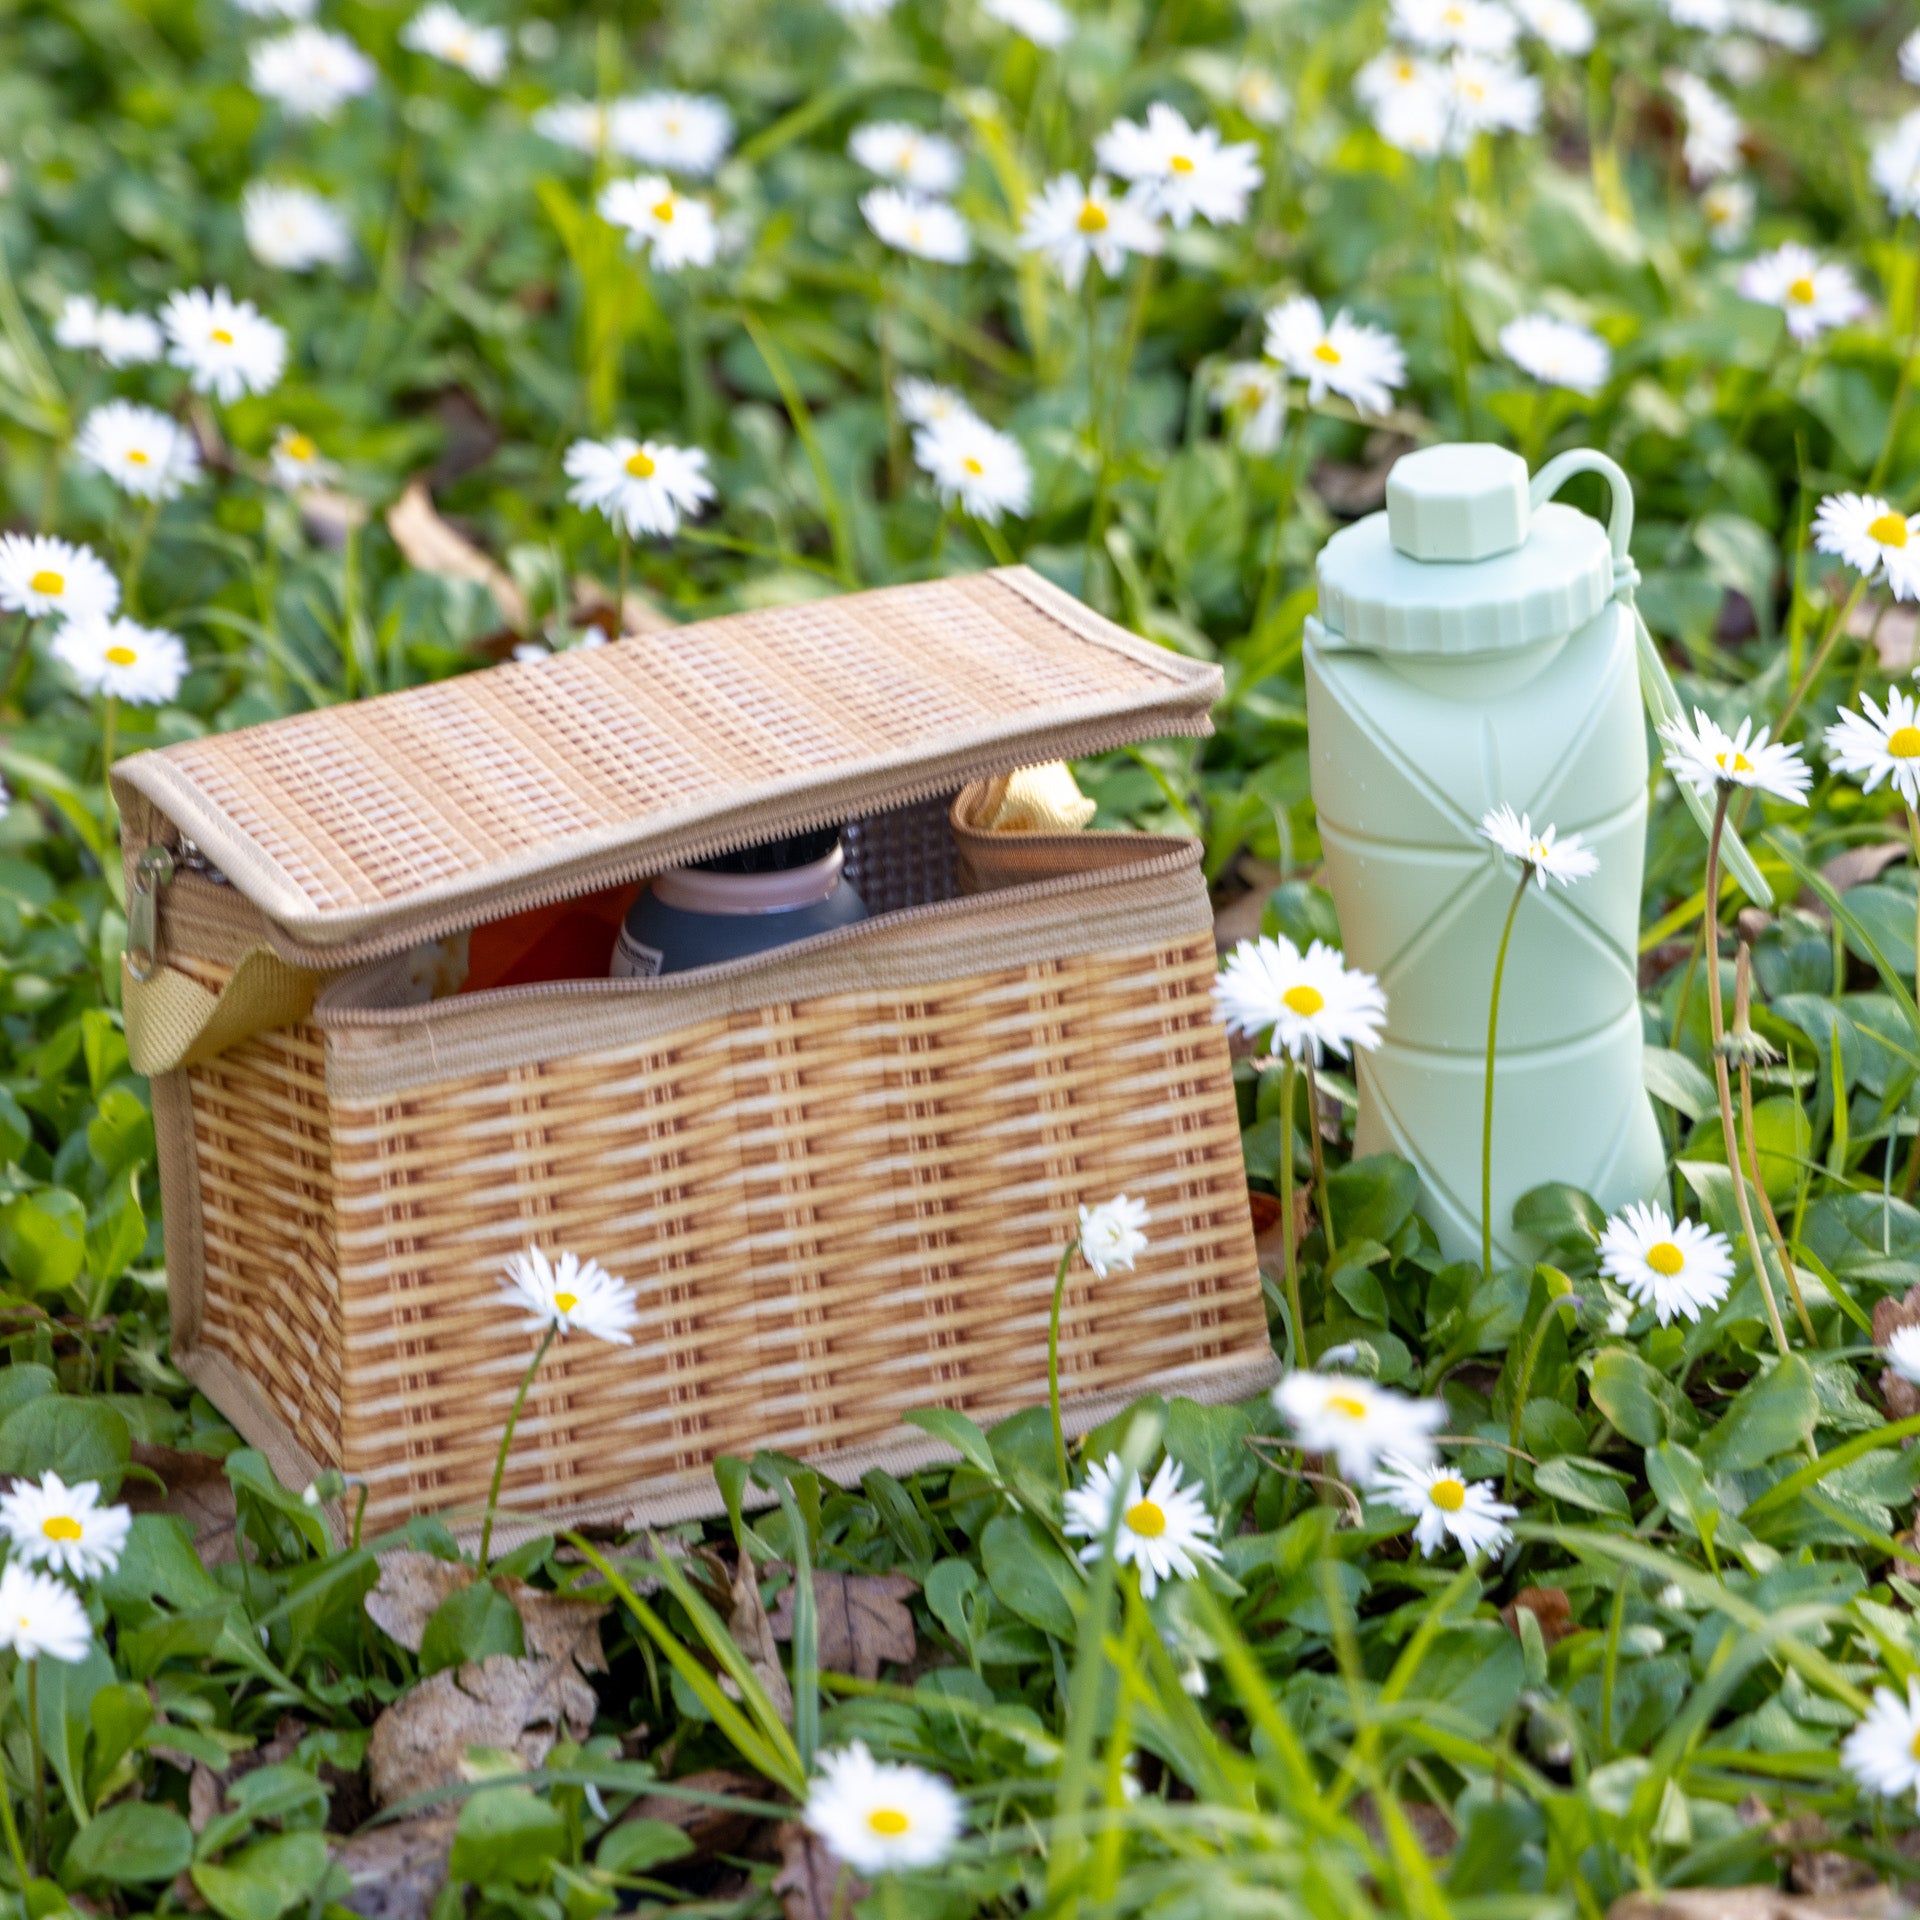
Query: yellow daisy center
[222, 337]
[138, 457]
[663, 212]
[1801, 291]
[1303, 1000]
[1179, 163]
[47, 581]
[1455, 17]
[1093, 217]
[973, 466]
[1346, 1403]
[1448, 1494]
[1328, 353]
[1914, 1746]
[566, 1302]
[296, 446]
[640, 464]
[1735, 762]
[1904, 743]
[1403, 70]
[889, 1821]
[1664, 1257]
[1890, 530]
[1473, 90]
[61, 1526]
[1146, 1519]
[122, 656]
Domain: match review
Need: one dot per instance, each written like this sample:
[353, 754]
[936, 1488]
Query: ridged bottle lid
[1459, 563]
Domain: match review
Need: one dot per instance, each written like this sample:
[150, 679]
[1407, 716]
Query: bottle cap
[1462, 502]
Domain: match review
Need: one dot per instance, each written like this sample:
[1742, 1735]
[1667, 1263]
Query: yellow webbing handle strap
[173, 1021]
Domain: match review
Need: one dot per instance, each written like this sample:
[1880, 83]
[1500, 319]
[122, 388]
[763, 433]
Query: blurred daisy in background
[878, 1816]
[1074, 225]
[1355, 1423]
[1253, 396]
[1044, 22]
[925, 403]
[310, 73]
[444, 33]
[41, 1618]
[122, 660]
[1812, 293]
[976, 467]
[120, 339]
[227, 347]
[1710, 145]
[1557, 353]
[672, 229]
[297, 462]
[1360, 363]
[1180, 171]
[142, 451]
[1883, 1752]
[293, 228]
[49, 1523]
[1727, 209]
[1475, 26]
[584, 125]
[1872, 536]
[676, 132]
[41, 576]
[642, 486]
[918, 224]
[910, 156]
[1563, 26]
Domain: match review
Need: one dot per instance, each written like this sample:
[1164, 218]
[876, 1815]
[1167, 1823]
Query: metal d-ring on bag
[1477, 644]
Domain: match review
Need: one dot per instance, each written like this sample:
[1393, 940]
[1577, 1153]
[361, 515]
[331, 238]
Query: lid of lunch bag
[1462, 560]
[361, 829]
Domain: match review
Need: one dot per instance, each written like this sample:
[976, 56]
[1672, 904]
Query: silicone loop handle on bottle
[1656, 685]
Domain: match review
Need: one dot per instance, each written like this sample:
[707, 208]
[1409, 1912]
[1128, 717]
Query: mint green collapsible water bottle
[1477, 644]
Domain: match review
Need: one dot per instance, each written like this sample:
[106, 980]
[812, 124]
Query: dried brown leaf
[505, 1700]
[396, 1870]
[1900, 1397]
[429, 543]
[1858, 865]
[862, 1621]
[412, 1586]
[711, 1829]
[1549, 1606]
[593, 606]
[197, 1491]
[753, 1634]
[1754, 1903]
[557, 1628]
[809, 1877]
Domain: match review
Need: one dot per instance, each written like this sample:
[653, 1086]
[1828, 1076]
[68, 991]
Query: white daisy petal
[1883, 1751]
[910, 156]
[1446, 1506]
[41, 1617]
[687, 133]
[1355, 1423]
[1164, 1532]
[40, 575]
[1181, 171]
[1111, 1234]
[1074, 225]
[444, 33]
[1813, 294]
[1557, 353]
[1543, 854]
[1903, 1353]
[975, 466]
[1705, 756]
[310, 72]
[122, 659]
[918, 224]
[144, 452]
[227, 346]
[881, 1817]
[1308, 1001]
[642, 486]
[293, 228]
[569, 1295]
[1874, 746]
[671, 228]
[1677, 1267]
[48, 1523]
[1345, 356]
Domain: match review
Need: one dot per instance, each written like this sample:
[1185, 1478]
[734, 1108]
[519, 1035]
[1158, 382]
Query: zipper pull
[151, 872]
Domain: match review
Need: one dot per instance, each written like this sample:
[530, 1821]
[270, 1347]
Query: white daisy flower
[1868, 533]
[1044, 22]
[1703, 16]
[1356, 1423]
[66, 1528]
[40, 575]
[311, 73]
[1812, 293]
[123, 660]
[1257, 94]
[1895, 164]
[293, 228]
[1883, 1751]
[570, 1295]
[1408, 100]
[1546, 856]
[1253, 396]
[1903, 1353]
[976, 467]
[925, 403]
[676, 132]
[1072, 225]
[142, 451]
[1565, 26]
[120, 339]
[1111, 1234]
[1180, 170]
[443, 32]
[1391, 71]
[228, 347]
[877, 1816]
[41, 1617]
[911, 156]
[298, 462]
[1711, 143]
[1487, 93]
[584, 125]
[1345, 356]
[1475, 26]
[861, 9]
[673, 229]
[1910, 58]
[1673, 1266]
[1791, 27]
[642, 486]
[918, 224]
[1557, 353]
[1727, 208]
[1875, 746]
[1309, 1001]
[1446, 1505]
[1706, 756]
[1163, 1531]
[278, 9]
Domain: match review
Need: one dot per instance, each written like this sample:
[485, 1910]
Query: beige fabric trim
[375, 1051]
[250, 1410]
[697, 1497]
[180, 1208]
[173, 1021]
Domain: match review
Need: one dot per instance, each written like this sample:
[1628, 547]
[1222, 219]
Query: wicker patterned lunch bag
[837, 1174]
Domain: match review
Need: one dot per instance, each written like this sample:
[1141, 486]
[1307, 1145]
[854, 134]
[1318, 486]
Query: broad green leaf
[506, 1834]
[116, 1233]
[43, 1240]
[1631, 1394]
[1771, 1415]
[471, 1623]
[132, 1843]
[79, 1439]
[638, 1846]
[1029, 1574]
[265, 1879]
[1581, 1483]
[955, 1430]
[120, 1134]
[1210, 1442]
[1672, 1077]
[1373, 1198]
[1561, 1217]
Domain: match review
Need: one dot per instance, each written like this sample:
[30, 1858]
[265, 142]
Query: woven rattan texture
[263, 1157]
[903, 858]
[834, 1211]
[365, 805]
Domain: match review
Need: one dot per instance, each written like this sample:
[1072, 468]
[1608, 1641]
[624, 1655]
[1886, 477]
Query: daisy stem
[1722, 1084]
[506, 1442]
[996, 541]
[15, 1850]
[1912, 1176]
[1903, 387]
[1053, 1357]
[109, 729]
[1300, 1356]
[39, 1767]
[1821, 654]
[626, 568]
[16, 660]
[1523, 1381]
[137, 558]
[1742, 991]
[1319, 1161]
[1486, 1114]
[841, 1886]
